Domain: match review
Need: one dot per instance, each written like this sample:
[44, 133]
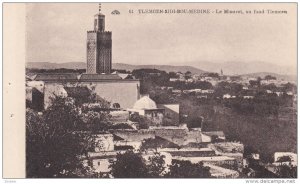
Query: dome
[145, 103]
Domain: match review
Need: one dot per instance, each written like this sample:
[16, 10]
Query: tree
[53, 146]
[94, 113]
[215, 75]
[286, 171]
[188, 75]
[173, 75]
[162, 97]
[270, 77]
[202, 85]
[129, 165]
[146, 86]
[259, 81]
[289, 87]
[194, 121]
[133, 165]
[61, 115]
[94, 121]
[178, 85]
[186, 169]
[236, 88]
[222, 88]
[254, 83]
[151, 77]
[143, 121]
[284, 159]
[271, 87]
[156, 166]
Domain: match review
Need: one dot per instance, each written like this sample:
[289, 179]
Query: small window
[98, 163]
[116, 106]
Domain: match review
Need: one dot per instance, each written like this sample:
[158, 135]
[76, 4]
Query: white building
[146, 107]
[279, 155]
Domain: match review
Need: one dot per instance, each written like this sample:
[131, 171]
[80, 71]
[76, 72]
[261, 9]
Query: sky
[56, 32]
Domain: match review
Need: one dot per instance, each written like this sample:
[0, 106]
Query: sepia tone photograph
[161, 90]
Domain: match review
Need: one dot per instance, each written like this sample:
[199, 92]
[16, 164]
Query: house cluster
[213, 78]
[200, 93]
[176, 142]
[225, 159]
[249, 85]
[280, 159]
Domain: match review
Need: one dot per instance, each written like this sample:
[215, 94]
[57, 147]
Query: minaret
[99, 47]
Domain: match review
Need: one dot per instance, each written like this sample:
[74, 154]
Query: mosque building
[98, 77]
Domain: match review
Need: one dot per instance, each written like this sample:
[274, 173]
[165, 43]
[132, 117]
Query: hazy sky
[56, 32]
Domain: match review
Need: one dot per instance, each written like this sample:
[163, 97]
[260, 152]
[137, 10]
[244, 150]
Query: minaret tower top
[99, 21]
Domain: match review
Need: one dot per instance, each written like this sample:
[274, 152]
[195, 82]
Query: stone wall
[123, 92]
[126, 93]
[194, 136]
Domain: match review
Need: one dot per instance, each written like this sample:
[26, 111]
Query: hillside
[240, 68]
[167, 68]
[48, 65]
[119, 66]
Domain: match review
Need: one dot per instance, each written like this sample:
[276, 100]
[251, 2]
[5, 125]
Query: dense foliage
[186, 169]
[129, 165]
[143, 122]
[133, 165]
[58, 137]
[286, 171]
[53, 146]
[182, 85]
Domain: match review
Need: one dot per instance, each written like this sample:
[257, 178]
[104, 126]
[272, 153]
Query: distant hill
[167, 68]
[240, 68]
[119, 66]
[48, 65]
[291, 78]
